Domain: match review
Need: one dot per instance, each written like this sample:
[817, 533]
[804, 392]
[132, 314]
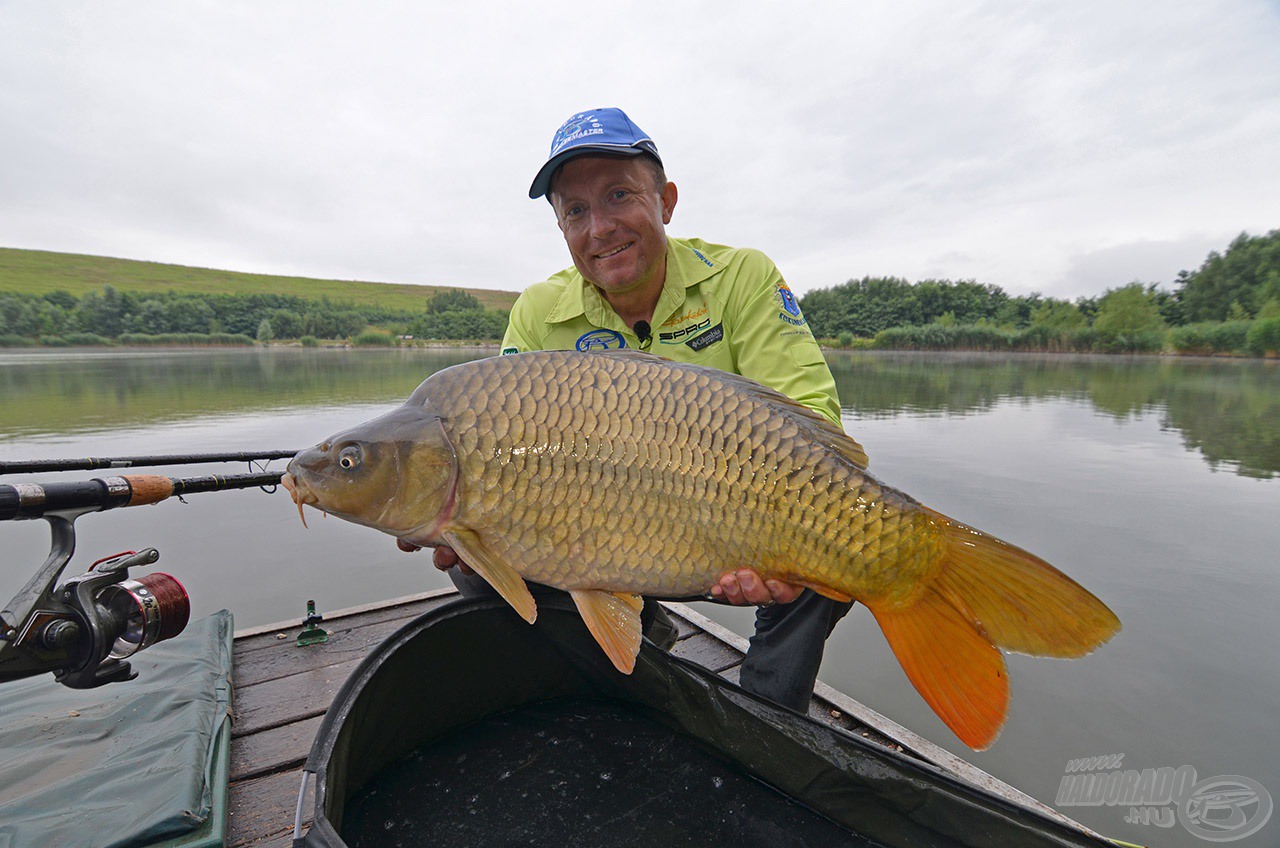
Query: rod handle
[148, 488]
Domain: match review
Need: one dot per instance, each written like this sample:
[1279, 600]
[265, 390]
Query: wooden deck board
[278, 749]
[262, 810]
[281, 694]
[707, 651]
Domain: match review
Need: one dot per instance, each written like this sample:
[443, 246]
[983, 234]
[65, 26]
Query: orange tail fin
[987, 595]
[952, 665]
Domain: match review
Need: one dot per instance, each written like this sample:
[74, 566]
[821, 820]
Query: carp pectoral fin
[614, 621]
[502, 577]
[952, 664]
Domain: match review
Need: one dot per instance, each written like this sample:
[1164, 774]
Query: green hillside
[40, 272]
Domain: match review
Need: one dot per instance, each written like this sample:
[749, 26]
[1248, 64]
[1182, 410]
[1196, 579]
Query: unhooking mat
[126, 765]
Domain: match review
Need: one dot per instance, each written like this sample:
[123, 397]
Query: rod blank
[41, 466]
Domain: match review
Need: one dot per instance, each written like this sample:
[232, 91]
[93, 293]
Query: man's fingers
[783, 593]
[731, 589]
[407, 547]
[753, 588]
[445, 558]
[745, 587]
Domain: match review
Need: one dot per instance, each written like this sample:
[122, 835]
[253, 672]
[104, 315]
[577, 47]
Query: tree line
[1230, 304]
[114, 315]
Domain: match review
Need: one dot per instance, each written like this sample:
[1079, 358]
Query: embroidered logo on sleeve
[789, 305]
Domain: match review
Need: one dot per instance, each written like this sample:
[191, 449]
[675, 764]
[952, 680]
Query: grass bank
[42, 272]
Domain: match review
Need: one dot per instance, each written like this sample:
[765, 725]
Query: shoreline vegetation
[1230, 306]
[963, 339]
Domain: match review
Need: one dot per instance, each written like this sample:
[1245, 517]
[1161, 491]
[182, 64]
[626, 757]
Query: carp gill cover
[618, 474]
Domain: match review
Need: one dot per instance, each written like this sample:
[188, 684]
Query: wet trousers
[786, 650]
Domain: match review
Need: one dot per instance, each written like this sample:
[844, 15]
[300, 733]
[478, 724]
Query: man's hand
[443, 558]
[741, 588]
[744, 587]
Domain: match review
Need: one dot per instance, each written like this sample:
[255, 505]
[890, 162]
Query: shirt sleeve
[520, 336]
[771, 342]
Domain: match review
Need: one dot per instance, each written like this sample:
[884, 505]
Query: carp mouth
[299, 493]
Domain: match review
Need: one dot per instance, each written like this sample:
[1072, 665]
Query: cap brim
[542, 182]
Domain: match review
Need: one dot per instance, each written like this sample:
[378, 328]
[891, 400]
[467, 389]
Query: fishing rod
[85, 628]
[41, 466]
[35, 500]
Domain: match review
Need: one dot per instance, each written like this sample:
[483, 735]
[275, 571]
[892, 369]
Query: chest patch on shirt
[682, 326]
[706, 339]
[682, 334]
[600, 340]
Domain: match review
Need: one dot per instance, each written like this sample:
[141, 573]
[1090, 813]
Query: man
[686, 300]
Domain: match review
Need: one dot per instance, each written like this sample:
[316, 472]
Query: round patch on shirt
[600, 340]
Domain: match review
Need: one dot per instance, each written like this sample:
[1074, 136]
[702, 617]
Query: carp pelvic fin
[614, 621]
[502, 577]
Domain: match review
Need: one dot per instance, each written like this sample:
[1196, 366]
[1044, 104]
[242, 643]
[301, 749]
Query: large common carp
[619, 474]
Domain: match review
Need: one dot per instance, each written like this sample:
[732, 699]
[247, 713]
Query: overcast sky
[1054, 147]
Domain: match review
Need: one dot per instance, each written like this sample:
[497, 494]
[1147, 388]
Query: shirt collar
[686, 266]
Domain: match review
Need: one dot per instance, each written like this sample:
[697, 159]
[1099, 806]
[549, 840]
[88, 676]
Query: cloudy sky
[1053, 147]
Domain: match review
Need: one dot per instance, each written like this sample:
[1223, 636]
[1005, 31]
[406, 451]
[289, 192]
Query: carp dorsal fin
[502, 577]
[823, 430]
[614, 621]
[819, 427]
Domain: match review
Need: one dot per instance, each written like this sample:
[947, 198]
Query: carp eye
[349, 457]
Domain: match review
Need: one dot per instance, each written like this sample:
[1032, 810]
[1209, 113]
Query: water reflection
[1227, 410]
[93, 391]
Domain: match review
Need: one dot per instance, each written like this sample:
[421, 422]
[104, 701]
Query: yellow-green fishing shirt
[722, 307]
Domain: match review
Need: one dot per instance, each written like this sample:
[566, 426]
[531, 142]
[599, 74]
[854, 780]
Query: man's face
[613, 215]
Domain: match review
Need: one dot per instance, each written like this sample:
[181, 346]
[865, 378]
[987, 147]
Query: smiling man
[633, 286]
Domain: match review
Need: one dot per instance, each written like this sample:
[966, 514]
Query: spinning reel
[85, 628]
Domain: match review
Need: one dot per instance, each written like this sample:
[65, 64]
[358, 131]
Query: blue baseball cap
[595, 131]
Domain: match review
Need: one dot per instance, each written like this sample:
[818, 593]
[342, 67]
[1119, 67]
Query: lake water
[1154, 482]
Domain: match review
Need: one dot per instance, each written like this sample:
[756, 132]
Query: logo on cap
[579, 126]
